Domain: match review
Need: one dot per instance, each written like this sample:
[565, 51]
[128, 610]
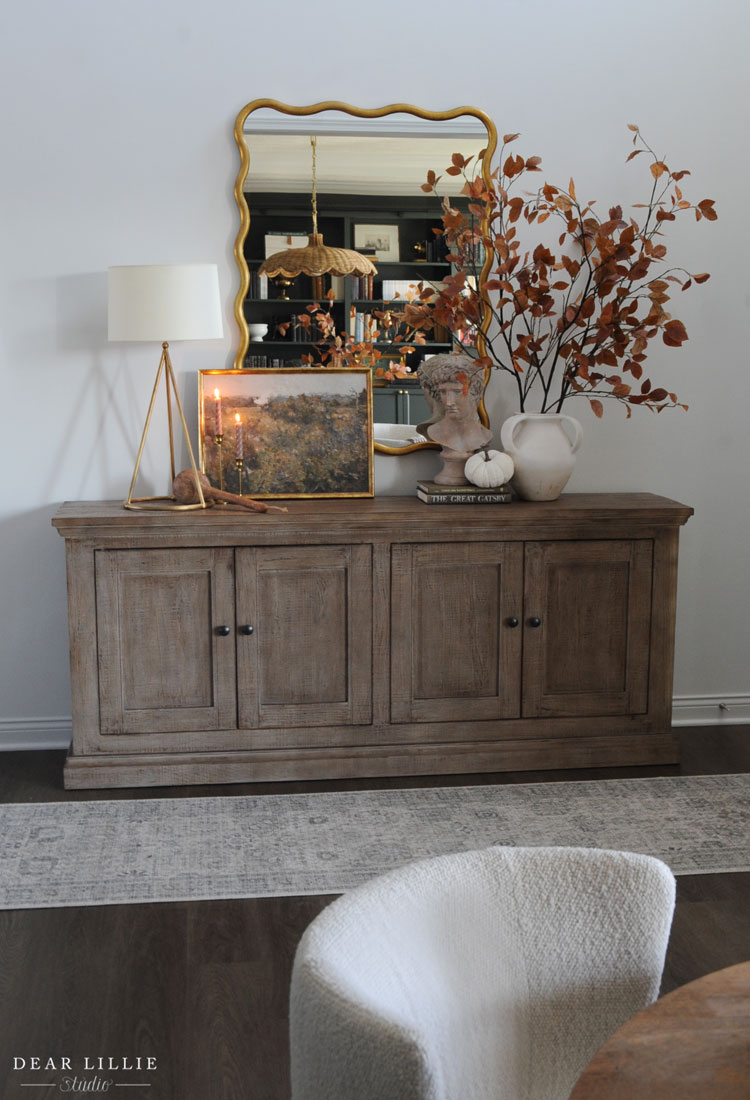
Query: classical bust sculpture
[453, 388]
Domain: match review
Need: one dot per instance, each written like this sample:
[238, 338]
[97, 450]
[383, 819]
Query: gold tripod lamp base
[168, 503]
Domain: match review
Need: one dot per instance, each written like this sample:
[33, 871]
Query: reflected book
[431, 492]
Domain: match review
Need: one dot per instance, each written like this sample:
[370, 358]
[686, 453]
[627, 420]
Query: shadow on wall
[81, 314]
[105, 409]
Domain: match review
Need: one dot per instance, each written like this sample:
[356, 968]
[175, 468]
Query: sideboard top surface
[394, 514]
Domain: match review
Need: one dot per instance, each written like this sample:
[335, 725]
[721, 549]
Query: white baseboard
[18, 734]
[710, 710]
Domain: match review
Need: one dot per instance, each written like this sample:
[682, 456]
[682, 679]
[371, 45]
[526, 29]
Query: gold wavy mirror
[358, 173]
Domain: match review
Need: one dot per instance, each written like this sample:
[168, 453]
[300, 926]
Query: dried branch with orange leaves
[333, 348]
[574, 314]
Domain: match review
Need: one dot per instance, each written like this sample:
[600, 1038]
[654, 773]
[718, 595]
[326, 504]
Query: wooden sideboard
[369, 637]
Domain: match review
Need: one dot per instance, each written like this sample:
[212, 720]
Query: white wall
[117, 148]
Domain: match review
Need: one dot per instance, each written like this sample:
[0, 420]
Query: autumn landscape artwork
[287, 432]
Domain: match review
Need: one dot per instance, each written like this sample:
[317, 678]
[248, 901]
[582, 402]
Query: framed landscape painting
[287, 432]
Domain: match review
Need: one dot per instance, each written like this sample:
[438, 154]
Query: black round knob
[247, 629]
[535, 621]
[512, 621]
[223, 630]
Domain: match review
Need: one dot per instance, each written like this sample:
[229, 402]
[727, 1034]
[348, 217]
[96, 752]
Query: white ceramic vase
[543, 448]
[257, 332]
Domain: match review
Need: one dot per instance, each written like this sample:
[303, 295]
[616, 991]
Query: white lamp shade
[165, 302]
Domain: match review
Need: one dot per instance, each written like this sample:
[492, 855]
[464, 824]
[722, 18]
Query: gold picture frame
[287, 432]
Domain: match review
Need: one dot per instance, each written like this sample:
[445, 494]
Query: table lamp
[165, 302]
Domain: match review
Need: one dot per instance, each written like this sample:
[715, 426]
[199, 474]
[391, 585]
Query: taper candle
[238, 452]
[217, 397]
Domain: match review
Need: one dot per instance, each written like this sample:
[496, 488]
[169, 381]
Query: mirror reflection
[357, 174]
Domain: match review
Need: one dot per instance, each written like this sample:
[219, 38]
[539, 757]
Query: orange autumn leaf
[432, 180]
[674, 334]
[513, 165]
[706, 207]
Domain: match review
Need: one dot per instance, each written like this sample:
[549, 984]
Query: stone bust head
[453, 387]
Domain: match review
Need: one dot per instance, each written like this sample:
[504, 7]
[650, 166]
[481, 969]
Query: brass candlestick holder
[239, 464]
[219, 440]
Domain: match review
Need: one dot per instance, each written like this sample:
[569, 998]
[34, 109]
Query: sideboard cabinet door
[304, 636]
[587, 625]
[165, 626]
[455, 631]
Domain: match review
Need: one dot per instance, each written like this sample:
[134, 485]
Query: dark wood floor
[202, 986]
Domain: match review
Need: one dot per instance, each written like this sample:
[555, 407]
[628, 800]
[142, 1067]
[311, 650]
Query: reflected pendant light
[316, 258]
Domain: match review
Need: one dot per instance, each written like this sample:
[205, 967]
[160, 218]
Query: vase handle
[507, 431]
[577, 430]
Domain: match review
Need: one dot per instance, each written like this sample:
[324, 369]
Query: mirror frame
[357, 112]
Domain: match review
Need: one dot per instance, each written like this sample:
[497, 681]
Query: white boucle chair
[488, 975]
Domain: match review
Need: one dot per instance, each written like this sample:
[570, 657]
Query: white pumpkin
[489, 469]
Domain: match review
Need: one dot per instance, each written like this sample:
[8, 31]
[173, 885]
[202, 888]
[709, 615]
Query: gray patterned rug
[149, 850]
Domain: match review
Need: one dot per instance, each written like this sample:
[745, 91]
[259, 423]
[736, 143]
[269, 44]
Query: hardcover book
[431, 492]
